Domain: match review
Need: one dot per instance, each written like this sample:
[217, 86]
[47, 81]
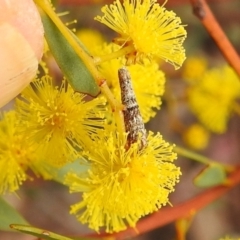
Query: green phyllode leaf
[8, 216]
[43, 234]
[58, 174]
[67, 59]
[210, 176]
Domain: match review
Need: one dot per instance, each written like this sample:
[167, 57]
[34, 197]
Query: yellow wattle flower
[90, 38]
[212, 98]
[196, 137]
[147, 29]
[59, 121]
[16, 154]
[121, 186]
[194, 68]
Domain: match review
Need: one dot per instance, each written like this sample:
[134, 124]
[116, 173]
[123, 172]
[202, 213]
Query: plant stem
[203, 12]
[199, 158]
[121, 52]
[88, 61]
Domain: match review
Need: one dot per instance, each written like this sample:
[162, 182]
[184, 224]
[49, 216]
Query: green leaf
[8, 216]
[42, 234]
[67, 59]
[77, 167]
[210, 176]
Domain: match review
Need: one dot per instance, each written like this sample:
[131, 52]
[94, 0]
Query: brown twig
[203, 12]
[183, 210]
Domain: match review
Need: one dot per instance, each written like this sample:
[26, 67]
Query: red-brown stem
[203, 12]
[183, 210]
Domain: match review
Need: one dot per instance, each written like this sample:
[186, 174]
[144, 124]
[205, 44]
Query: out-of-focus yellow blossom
[146, 29]
[58, 121]
[196, 137]
[227, 238]
[148, 81]
[16, 154]
[121, 186]
[90, 38]
[109, 68]
[194, 68]
[212, 98]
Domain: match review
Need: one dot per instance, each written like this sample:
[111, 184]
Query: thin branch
[203, 12]
[200, 158]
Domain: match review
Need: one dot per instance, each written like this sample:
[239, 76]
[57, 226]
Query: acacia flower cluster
[125, 179]
[16, 154]
[213, 97]
[146, 29]
[196, 136]
[49, 128]
[194, 68]
[122, 185]
[58, 120]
